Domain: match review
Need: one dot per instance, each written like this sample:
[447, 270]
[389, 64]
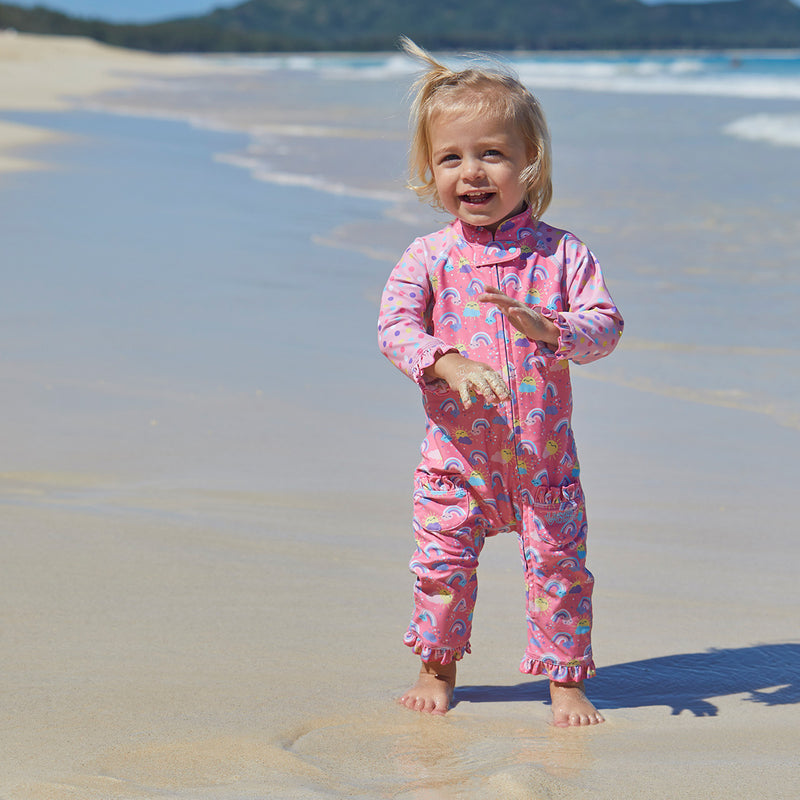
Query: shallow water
[695, 227]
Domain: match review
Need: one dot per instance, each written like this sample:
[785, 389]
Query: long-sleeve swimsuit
[514, 466]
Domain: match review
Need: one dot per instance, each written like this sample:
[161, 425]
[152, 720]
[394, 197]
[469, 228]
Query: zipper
[512, 379]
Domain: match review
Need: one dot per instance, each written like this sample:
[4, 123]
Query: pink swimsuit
[491, 469]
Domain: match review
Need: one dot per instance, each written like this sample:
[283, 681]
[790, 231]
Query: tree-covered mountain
[280, 25]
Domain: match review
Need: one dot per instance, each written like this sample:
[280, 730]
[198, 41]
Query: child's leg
[559, 611]
[449, 530]
[444, 599]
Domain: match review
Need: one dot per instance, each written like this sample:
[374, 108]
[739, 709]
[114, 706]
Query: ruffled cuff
[425, 357]
[574, 672]
[566, 335]
[444, 655]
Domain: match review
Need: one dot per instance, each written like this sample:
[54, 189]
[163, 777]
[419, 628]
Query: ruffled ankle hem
[570, 673]
[444, 655]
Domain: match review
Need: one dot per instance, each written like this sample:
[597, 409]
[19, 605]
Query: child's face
[476, 163]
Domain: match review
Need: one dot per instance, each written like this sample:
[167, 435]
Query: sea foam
[262, 171]
[767, 74]
[780, 129]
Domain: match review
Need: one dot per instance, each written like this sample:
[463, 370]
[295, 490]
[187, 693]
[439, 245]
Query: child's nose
[472, 168]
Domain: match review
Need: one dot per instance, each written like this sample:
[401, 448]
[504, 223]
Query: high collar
[512, 230]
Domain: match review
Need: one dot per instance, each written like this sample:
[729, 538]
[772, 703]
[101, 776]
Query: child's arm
[588, 327]
[404, 317]
[404, 338]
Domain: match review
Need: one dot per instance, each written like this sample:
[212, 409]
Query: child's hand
[525, 319]
[469, 378]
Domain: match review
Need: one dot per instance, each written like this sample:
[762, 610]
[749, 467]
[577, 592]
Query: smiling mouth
[476, 198]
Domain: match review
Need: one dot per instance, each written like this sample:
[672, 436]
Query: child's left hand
[525, 319]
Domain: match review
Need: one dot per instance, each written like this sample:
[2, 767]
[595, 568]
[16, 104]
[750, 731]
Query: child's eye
[449, 157]
[493, 153]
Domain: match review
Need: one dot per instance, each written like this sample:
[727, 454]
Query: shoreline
[56, 73]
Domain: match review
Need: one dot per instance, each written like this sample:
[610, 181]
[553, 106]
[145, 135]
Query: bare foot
[433, 691]
[571, 707]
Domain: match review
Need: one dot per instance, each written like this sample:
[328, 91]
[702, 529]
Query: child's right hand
[469, 378]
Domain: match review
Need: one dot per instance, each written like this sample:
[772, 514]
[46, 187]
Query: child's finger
[503, 302]
[492, 295]
[493, 291]
[472, 386]
[486, 390]
[500, 387]
[492, 387]
[496, 384]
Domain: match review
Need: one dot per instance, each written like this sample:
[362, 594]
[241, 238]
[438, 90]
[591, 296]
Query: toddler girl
[485, 315]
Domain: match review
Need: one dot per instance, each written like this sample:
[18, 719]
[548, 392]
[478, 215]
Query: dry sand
[47, 73]
[161, 641]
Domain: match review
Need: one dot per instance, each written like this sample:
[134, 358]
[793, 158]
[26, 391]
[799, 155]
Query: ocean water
[272, 203]
[677, 169]
[167, 320]
[358, 95]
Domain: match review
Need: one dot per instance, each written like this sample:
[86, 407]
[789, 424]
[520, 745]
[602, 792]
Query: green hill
[282, 25]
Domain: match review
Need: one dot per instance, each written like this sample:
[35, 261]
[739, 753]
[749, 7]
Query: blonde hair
[476, 92]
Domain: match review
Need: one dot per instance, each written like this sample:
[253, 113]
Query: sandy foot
[571, 707]
[433, 691]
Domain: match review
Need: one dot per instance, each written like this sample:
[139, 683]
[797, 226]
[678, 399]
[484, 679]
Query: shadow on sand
[769, 673]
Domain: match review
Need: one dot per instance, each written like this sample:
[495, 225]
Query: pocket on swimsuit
[559, 513]
[443, 505]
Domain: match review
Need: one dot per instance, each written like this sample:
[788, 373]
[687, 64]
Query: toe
[439, 708]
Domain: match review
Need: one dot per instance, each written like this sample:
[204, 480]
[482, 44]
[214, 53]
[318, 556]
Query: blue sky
[149, 10]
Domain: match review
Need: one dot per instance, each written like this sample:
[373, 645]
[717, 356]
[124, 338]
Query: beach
[206, 464]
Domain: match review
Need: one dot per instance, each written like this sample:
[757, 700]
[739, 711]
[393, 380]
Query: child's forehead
[483, 119]
[468, 101]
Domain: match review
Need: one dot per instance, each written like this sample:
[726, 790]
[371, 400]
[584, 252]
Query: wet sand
[205, 489]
